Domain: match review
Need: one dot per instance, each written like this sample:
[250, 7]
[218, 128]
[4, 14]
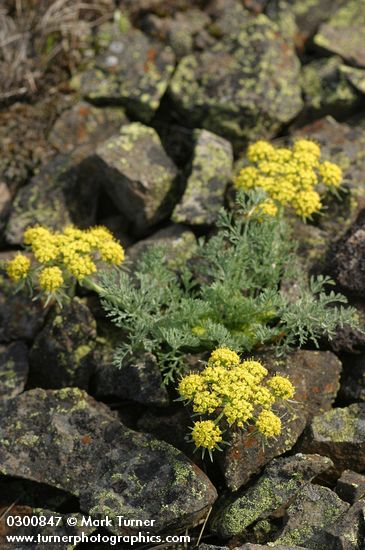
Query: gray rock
[20, 317]
[355, 76]
[326, 88]
[340, 435]
[353, 379]
[313, 511]
[138, 175]
[351, 486]
[62, 353]
[5, 204]
[344, 33]
[13, 369]
[131, 70]
[138, 380]
[65, 191]
[281, 481]
[244, 87]
[315, 376]
[210, 171]
[66, 439]
[178, 241]
[86, 125]
[348, 533]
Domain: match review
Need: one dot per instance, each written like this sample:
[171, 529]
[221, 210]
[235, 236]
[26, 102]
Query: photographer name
[119, 521]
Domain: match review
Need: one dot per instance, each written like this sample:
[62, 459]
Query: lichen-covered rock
[51, 529]
[326, 89]
[66, 439]
[84, 124]
[348, 259]
[315, 376]
[13, 369]
[131, 70]
[228, 17]
[138, 175]
[138, 380]
[20, 317]
[314, 510]
[350, 339]
[344, 33]
[210, 171]
[64, 191]
[351, 486]
[244, 87]
[347, 533]
[62, 353]
[249, 546]
[340, 435]
[178, 241]
[355, 76]
[281, 481]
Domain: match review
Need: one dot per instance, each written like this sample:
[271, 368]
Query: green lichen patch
[13, 369]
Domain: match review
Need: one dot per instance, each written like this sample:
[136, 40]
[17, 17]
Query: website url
[112, 540]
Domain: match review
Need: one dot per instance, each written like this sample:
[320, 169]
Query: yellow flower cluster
[235, 392]
[206, 434]
[64, 255]
[18, 268]
[289, 176]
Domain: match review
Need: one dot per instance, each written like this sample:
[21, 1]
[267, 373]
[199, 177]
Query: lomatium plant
[292, 178]
[57, 260]
[234, 394]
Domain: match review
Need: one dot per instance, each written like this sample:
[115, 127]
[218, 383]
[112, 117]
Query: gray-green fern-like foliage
[228, 295]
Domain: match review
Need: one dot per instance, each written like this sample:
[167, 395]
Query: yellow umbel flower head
[281, 387]
[80, 266]
[50, 279]
[206, 434]
[190, 385]
[268, 424]
[18, 268]
[224, 357]
[290, 177]
[111, 252]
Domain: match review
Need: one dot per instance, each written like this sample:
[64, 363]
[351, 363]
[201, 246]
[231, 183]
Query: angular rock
[355, 76]
[281, 481]
[326, 89]
[65, 191]
[20, 317]
[348, 532]
[177, 240]
[138, 380]
[344, 33]
[340, 435]
[13, 369]
[228, 17]
[131, 70]
[350, 339]
[351, 486]
[138, 175]
[316, 378]
[84, 124]
[210, 171]
[63, 529]
[353, 379]
[244, 87]
[62, 353]
[314, 510]
[66, 439]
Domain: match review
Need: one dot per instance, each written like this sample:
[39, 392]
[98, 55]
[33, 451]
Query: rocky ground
[145, 137]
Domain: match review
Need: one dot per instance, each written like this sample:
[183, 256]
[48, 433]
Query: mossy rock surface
[138, 175]
[344, 33]
[13, 369]
[244, 87]
[68, 440]
[210, 171]
[281, 481]
[131, 70]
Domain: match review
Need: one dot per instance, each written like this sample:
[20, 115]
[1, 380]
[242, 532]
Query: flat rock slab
[68, 440]
[340, 435]
[315, 375]
[245, 87]
[131, 70]
[313, 511]
[210, 171]
[281, 481]
[351, 486]
[138, 175]
[344, 33]
[13, 369]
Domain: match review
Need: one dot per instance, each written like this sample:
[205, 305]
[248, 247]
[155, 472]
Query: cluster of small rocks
[147, 142]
